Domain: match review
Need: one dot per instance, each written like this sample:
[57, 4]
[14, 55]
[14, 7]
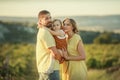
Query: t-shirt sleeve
[48, 39]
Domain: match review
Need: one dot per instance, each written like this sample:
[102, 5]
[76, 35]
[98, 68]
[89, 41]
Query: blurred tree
[104, 38]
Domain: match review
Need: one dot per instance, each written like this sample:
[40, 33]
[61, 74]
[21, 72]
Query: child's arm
[58, 33]
[39, 25]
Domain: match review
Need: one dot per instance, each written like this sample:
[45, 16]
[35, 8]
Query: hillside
[89, 23]
[17, 32]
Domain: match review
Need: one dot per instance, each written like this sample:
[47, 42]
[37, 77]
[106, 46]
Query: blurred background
[97, 20]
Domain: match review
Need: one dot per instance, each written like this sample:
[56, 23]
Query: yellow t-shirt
[45, 63]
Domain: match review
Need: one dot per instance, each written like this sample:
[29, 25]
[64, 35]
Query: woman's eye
[64, 24]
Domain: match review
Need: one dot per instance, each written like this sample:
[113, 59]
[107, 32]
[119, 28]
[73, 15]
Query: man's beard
[49, 25]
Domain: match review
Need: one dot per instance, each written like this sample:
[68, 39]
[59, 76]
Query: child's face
[56, 25]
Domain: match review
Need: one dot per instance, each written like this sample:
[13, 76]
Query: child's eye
[53, 25]
[67, 24]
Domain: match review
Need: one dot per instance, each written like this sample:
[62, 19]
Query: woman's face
[67, 26]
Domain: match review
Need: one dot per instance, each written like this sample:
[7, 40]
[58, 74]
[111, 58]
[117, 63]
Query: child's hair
[43, 12]
[55, 21]
[74, 25]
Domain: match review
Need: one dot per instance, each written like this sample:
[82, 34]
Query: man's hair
[43, 12]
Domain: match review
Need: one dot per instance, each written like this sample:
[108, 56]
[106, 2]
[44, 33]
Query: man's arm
[50, 44]
[56, 53]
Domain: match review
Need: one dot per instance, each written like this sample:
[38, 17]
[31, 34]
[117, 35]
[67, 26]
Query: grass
[102, 75]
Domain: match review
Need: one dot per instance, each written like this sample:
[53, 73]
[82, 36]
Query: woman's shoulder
[77, 36]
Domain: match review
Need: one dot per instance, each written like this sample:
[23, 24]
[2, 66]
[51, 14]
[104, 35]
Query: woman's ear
[72, 28]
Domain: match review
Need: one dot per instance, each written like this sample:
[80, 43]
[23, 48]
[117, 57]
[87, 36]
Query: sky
[30, 8]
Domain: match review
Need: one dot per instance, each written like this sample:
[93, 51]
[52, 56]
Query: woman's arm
[81, 52]
[56, 33]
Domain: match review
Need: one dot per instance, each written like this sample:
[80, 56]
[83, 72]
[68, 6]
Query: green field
[95, 74]
[17, 61]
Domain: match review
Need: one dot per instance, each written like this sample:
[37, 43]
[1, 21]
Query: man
[47, 56]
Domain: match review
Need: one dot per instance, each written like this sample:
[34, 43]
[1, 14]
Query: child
[59, 35]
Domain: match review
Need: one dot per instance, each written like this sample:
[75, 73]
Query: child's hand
[62, 60]
[39, 25]
[60, 51]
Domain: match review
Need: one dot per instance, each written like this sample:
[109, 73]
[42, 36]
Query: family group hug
[60, 53]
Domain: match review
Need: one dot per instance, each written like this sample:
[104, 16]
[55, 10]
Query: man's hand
[56, 54]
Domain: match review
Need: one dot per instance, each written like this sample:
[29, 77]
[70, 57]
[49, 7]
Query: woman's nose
[64, 26]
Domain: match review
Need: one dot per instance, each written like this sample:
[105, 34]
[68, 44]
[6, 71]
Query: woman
[74, 67]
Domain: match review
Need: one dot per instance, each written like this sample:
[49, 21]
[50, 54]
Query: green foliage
[95, 74]
[14, 32]
[102, 56]
[93, 63]
[88, 36]
[17, 61]
[106, 38]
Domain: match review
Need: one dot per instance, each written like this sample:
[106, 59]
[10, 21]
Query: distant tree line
[26, 32]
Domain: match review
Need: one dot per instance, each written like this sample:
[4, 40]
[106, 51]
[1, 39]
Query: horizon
[26, 8]
[64, 16]
[87, 23]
